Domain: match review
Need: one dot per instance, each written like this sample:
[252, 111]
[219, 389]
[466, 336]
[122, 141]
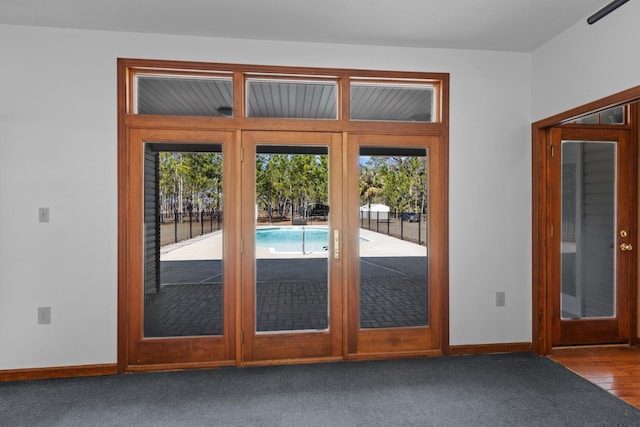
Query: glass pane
[184, 96]
[183, 205]
[613, 116]
[588, 229]
[610, 116]
[292, 99]
[394, 219]
[409, 103]
[292, 198]
[590, 119]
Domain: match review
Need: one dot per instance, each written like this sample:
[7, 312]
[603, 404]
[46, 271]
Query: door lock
[626, 247]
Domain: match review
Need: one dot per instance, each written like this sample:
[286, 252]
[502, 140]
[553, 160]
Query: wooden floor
[615, 369]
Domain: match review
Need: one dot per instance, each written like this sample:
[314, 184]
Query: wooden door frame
[138, 352]
[605, 329]
[275, 347]
[430, 340]
[129, 120]
[541, 175]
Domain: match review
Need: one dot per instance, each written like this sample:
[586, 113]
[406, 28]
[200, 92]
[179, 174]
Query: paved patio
[291, 293]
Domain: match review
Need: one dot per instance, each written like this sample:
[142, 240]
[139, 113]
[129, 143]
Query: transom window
[291, 95]
[610, 116]
[177, 95]
[295, 99]
[392, 102]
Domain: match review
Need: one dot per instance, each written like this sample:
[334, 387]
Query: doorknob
[626, 247]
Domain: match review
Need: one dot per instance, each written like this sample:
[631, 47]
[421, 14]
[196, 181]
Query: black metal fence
[181, 226]
[407, 226]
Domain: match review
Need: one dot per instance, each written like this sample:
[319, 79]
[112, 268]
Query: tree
[371, 186]
[190, 178]
[400, 182]
[290, 182]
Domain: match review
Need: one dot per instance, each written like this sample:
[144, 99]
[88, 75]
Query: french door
[396, 260]
[373, 285]
[292, 259]
[253, 247]
[179, 297]
[592, 236]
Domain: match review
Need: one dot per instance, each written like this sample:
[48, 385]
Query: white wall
[58, 149]
[587, 63]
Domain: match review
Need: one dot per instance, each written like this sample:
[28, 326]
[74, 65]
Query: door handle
[626, 247]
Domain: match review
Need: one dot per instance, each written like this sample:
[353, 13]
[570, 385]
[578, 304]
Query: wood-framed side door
[396, 248]
[591, 236]
[179, 297]
[291, 295]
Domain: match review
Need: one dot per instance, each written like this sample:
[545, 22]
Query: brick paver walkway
[291, 306]
[389, 298]
[393, 303]
[184, 310]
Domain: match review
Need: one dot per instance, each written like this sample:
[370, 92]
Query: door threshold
[586, 346]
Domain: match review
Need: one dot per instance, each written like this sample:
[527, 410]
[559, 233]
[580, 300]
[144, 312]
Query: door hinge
[552, 230]
[241, 246]
[241, 337]
[552, 151]
[241, 154]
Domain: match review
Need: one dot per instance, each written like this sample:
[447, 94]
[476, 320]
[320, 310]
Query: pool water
[290, 239]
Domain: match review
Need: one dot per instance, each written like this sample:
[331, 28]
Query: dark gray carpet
[486, 390]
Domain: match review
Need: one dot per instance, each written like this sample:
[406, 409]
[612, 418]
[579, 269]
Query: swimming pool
[293, 239]
[301, 239]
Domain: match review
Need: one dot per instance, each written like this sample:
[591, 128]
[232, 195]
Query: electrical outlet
[500, 299]
[44, 315]
[43, 214]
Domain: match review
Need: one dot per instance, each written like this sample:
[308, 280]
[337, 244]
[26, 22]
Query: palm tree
[370, 185]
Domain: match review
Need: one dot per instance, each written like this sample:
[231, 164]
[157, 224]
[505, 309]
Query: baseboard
[178, 366]
[512, 347]
[112, 369]
[393, 355]
[58, 372]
